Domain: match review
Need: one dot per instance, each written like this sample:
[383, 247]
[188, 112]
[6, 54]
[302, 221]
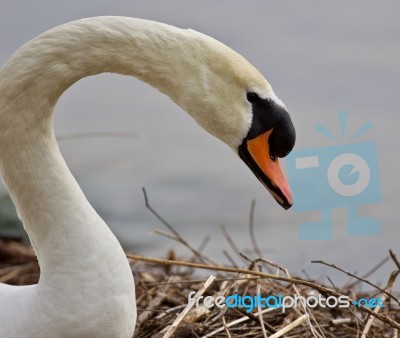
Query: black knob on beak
[283, 137]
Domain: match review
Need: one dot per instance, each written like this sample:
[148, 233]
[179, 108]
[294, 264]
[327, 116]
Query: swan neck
[151, 51]
[56, 214]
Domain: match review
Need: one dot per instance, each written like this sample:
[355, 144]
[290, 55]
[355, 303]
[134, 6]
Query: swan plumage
[86, 288]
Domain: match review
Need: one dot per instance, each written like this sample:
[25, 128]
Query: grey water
[321, 58]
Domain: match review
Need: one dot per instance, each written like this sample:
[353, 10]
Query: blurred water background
[321, 58]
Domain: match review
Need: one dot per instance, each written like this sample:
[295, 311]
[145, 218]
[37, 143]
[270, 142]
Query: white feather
[86, 287]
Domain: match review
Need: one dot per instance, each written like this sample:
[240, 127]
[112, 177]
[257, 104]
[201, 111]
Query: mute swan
[86, 286]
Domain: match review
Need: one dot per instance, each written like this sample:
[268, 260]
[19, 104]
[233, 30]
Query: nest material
[162, 300]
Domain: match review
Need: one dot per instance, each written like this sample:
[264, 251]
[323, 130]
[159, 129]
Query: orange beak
[256, 154]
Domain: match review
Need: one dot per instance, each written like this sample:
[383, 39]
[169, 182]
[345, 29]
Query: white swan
[86, 287]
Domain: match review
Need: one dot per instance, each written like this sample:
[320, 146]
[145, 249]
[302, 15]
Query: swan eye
[252, 97]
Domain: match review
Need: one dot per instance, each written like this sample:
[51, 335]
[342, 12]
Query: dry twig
[290, 327]
[320, 288]
[359, 278]
[172, 229]
[182, 315]
[388, 289]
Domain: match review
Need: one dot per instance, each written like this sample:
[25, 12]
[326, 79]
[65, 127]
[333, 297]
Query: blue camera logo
[339, 176]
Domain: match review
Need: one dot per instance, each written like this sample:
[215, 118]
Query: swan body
[86, 288]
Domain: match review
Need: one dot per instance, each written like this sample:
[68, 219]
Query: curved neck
[55, 212]
[155, 53]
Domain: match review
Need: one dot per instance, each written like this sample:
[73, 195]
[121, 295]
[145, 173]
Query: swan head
[235, 103]
[270, 136]
[228, 97]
